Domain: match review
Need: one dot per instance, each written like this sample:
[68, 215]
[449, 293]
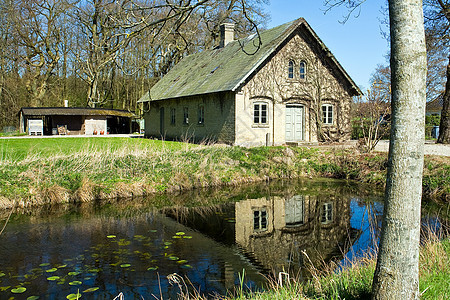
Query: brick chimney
[226, 34]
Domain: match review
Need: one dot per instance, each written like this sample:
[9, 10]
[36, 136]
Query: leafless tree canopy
[104, 53]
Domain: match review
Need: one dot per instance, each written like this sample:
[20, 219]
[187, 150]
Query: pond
[213, 241]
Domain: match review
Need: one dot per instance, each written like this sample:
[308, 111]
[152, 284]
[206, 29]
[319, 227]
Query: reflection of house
[434, 107]
[71, 120]
[276, 230]
[248, 95]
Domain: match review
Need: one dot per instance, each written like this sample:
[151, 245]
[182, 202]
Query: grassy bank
[37, 171]
[355, 282]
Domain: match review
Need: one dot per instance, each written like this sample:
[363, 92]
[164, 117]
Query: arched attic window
[291, 69]
[302, 69]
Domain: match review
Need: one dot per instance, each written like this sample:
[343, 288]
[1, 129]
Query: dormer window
[302, 69]
[291, 69]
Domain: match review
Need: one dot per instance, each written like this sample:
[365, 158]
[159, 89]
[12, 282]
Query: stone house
[283, 86]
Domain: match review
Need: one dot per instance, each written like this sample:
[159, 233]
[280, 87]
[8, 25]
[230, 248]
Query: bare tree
[38, 35]
[372, 116]
[437, 22]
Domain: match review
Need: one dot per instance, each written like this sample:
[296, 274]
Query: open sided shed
[74, 121]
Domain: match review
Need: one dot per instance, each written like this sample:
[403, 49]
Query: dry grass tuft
[55, 194]
[85, 192]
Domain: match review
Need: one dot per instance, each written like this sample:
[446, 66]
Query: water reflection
[286, 230]
[209, 237]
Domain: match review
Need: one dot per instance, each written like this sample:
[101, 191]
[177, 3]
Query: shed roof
[227, 69]
[74, 111]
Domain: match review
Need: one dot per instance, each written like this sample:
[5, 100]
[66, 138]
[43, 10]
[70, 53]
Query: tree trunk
[444, 126]
[397, 271]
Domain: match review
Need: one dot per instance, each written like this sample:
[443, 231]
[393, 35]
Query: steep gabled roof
[228, 68]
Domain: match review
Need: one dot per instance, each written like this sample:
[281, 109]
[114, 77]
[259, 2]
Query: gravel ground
[431, 148]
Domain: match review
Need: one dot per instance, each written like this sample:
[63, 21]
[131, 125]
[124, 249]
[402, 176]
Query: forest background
[106, 53]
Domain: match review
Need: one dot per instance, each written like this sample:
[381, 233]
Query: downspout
[273, 123]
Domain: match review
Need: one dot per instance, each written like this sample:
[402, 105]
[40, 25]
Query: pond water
[213, 240]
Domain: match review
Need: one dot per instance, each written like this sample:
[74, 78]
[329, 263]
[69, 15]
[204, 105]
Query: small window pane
[256, 114]
[302, 70]
[291, 69]
[172, 116]
[186, 115]
[201, 114]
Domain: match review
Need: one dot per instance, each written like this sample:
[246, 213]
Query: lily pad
[173, 258]
[18, 290]
[2, 274]
[153, 230]
[180, 233]
[44, 264]
[186, 266]
[53, 278]
[51, 270]
[94, 270]
[90, 290]
[73, 273]
[33, 298]
[125, 265]
[76, 282]
[167, 243]
[152, 269]
[4, 288]
[182, 261]
[176, 237]
[187, 237]
[111, 236]
[61, 266]
[73, 296]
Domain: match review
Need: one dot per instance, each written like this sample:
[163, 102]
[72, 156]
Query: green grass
[42, 170]
[20, 148]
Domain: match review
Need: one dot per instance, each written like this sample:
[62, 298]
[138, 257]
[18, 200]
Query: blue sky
[358, 44]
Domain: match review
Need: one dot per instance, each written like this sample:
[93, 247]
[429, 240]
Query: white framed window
[327, 213]
[172, 116]
[260, 219]
[260, 113]
[185, 115]
[201, 115]
[327, 114]
[291, 69]
[302, 70]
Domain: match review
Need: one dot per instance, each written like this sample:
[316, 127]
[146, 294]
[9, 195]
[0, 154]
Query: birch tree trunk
[397, 271]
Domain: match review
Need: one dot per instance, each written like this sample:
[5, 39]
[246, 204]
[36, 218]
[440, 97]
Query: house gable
[228, 68]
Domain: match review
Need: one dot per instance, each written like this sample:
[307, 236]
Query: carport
[74, 121]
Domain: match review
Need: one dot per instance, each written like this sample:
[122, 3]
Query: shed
[74, 121]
